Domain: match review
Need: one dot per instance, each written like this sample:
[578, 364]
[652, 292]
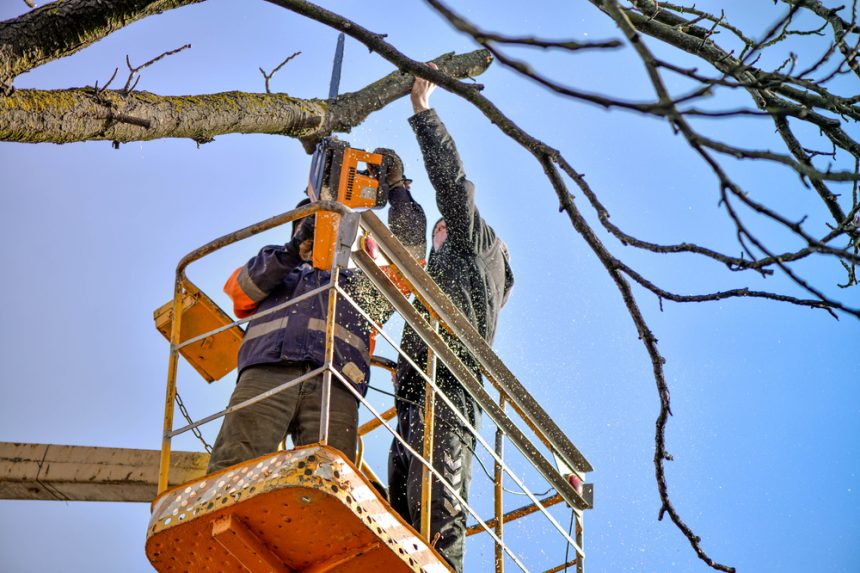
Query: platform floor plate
[310, 507]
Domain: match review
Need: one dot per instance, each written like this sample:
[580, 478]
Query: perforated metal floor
[305, 510]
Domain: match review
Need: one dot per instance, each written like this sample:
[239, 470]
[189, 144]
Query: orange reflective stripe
[243, 306]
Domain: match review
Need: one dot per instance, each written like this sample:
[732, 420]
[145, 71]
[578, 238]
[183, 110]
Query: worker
[290, 342]
[470, 263]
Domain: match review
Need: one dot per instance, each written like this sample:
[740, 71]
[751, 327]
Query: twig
[483, 36]
[268, 76]
[100, 90]
[128, 88]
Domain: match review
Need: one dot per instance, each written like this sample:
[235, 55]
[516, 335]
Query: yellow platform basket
[307, 509]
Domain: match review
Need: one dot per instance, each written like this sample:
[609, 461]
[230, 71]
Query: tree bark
[59, 29]
[86, 114]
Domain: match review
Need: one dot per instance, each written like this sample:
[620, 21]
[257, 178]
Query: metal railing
[446, 317]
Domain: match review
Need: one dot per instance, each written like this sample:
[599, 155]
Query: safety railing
[566, 477]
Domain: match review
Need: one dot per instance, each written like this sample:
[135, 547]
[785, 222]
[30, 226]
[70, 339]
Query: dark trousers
[259, 428]
[452, 458]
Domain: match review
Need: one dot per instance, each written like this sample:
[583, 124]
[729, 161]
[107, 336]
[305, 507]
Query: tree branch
[60, 29]
[85, 114]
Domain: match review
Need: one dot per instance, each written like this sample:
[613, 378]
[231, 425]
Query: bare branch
[483, 37]
[804, 168]
[788, 91]
[722, 295]
[132, 72]
[269, 76]
[840, 27]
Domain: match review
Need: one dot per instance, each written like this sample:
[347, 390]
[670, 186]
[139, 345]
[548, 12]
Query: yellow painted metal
[325, 239]
[176, 309]
[374, 423]
[245, 547]
[516, 514]
[330, 324]
[498, 494]
[564, 566]
[170, 394]
[343, 561]
[544, 440]
[580, 539]
[429, 408]
[363, 466]
[214, 356]
[309, 509]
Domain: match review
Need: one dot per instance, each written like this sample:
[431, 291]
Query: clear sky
[765, 396]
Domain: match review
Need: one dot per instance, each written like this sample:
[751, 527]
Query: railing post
[170, 397]
[330, 323]
[580, 538]
[429, 410]
[498, 490]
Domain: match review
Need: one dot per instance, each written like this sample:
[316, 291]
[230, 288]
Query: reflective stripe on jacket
[297, 333]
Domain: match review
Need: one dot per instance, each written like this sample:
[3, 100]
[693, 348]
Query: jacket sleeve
[407, 221]
[455, 195]
[251, 283]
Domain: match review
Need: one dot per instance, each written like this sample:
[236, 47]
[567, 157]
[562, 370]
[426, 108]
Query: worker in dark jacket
[289, 343]
[470, 264]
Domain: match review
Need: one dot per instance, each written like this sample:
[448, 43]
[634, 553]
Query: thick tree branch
[350, 109]
[85, 114]
[65, 116]
[59, 29]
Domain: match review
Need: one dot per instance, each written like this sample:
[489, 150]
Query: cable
[567, 545]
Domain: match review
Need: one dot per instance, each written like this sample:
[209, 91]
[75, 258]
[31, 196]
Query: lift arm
[85, 473]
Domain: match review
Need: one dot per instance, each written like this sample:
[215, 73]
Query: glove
[302, 243]
[395, 166]
[305, 230]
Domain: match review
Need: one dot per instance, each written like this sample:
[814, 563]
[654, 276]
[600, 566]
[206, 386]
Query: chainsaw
[350, 176]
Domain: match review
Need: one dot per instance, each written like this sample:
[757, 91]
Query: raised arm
[455, 195]
[407, 221]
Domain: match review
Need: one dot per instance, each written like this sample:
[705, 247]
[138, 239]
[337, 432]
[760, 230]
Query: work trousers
[258, 429]
[453, 446]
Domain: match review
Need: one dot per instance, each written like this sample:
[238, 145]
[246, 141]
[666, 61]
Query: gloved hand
[302, 242]
[395, 167]
[305, 230]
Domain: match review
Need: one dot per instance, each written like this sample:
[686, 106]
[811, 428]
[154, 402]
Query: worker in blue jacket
[289, 343]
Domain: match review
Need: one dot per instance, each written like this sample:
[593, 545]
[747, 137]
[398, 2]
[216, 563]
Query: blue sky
[765, 396]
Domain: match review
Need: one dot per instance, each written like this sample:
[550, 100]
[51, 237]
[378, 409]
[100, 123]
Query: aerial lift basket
[303, 510]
